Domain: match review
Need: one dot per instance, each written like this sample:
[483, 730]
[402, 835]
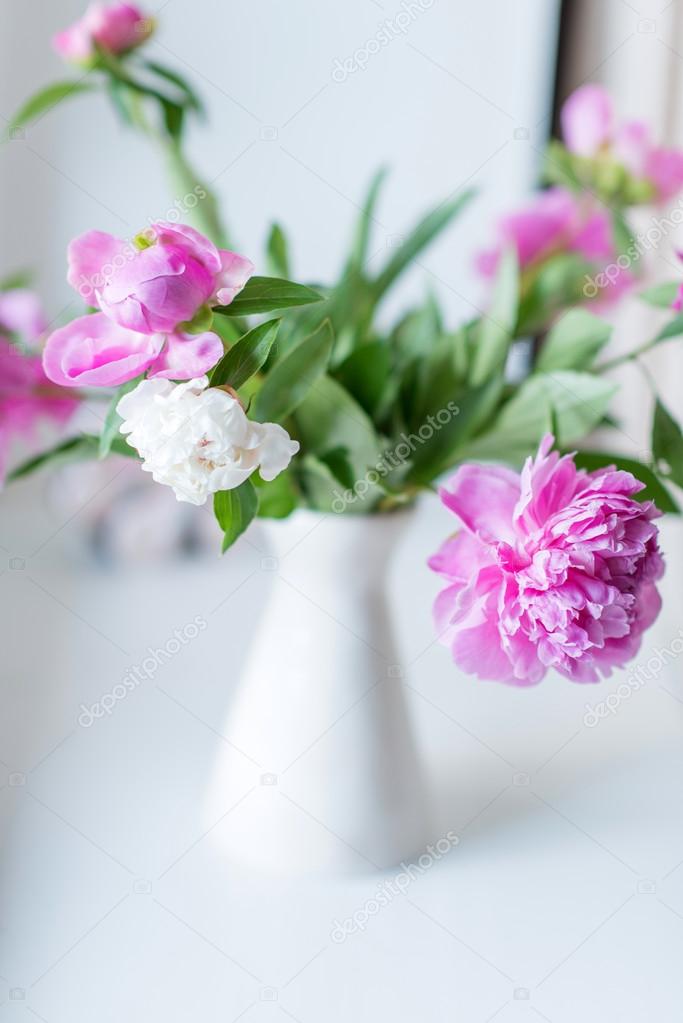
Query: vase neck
[339, 546]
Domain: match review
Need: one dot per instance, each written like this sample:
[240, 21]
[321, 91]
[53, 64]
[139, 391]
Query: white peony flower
[198, 440]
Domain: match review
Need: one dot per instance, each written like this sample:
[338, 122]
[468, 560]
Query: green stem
[620, 360]
[205, 215]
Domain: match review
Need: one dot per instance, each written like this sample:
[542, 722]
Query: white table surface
[563, 899]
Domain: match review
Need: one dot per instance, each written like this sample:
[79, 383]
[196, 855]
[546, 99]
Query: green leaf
[278, 252]
[234, 510]
[623, 234]
[556, 284]
[321, 487]
[337, 461]
[289, 381]
[329, 419]
[278, 498]
[18, 279]
[113, 420]
[654, 488]
[123, 99]
[662, 296]
[418, 239]
[436, 381]
[560, 166]
[115, 67]
[498, 325]
[359, 248]
[667, 444]
[263, 294]
[572, 403]
[450, 429]
[41, 102]
[416, 333]
[365, 374]
[229, 330]
[72, 450]
[191, 99]
[574, 341]
[246, 357]
[174, 117]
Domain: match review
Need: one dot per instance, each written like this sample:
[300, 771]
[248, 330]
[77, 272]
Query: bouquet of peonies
[323, 408]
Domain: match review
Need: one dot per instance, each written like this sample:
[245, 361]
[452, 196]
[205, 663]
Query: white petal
[276, 450]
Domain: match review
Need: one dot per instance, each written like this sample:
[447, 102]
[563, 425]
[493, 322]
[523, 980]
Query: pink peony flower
[115, 28]
[554, 221]
[158, 283]
[26, 398]
[555, 568]
[93, 351]
[589, 129]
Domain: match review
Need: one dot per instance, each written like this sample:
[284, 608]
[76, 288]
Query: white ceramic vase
[321, 708]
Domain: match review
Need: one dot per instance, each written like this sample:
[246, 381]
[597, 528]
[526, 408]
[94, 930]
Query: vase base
[273, 833]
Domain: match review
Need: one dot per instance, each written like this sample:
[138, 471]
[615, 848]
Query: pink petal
[234, 273]
[93, 351]
[664, 168]
[73, 43]
[189, 240]
[186, 356]
[117, 27]
[477, 649]
[547, 485]
[541, 226]
[594, 238]
[460, 557]
[632, 145]
[93, 259]
[586, 119]
[26, 398]
[483, 497]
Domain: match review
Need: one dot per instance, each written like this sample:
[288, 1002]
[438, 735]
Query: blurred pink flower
[21, 313]
[159, 283]
[93, 351]
[586, 119]
[26, 398]
[115, 27]
[589, 128]
[555, 568]
[554, 221]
